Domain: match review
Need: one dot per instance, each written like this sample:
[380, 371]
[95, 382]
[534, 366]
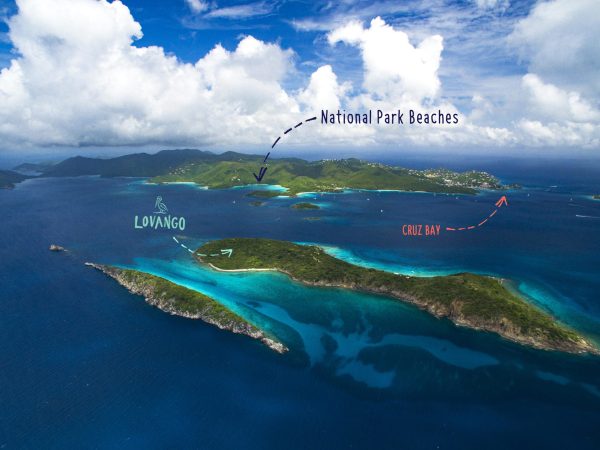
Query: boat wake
[587, 217]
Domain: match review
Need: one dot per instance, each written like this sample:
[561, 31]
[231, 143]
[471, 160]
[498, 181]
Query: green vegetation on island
[264, 194]
[232, 169]
[597, 197]
[305, 206]
[470, 300]
[133, 165]
[329, 176]
[181, 301]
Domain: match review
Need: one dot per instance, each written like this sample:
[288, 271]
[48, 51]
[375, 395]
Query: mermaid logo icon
[160, 207]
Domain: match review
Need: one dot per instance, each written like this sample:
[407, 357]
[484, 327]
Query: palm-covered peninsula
[181, 301]
[299, 176]
[470, 300]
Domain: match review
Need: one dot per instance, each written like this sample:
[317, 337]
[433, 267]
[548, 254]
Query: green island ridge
[181, 301]
[474, 301]
[298, 176]
[264, 194]
[305, 206]
[231, 169]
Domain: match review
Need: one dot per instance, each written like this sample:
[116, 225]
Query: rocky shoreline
[167, 301]
[498, 310]
[502, 328]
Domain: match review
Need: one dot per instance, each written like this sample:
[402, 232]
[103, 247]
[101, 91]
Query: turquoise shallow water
[334, 329]
[86, 364]
[333, 325]
[397, 267]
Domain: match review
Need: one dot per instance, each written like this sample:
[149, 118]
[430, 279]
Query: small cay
[180, 301]
[305, 205]
[470, 300]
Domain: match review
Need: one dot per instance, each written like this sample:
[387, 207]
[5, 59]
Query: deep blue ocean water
[85, 364]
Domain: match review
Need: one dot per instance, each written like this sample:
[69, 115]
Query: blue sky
[301, 25]
[487, 60]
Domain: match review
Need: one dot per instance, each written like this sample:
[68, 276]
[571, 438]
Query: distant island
[180, 301]
[305, 206]
[474, 301]
[32, 169]
[231, 169]
[297, 176]
[597, 197]
[8, 179]
[264, 194]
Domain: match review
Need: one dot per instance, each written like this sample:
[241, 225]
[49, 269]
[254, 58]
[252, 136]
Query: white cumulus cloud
[80, 81]
[394, 68]
[554, 103]
[77, 79]
[324, 91]
[197, 6]
[559, 40]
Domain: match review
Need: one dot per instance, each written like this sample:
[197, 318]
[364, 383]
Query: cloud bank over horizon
[78, 79]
